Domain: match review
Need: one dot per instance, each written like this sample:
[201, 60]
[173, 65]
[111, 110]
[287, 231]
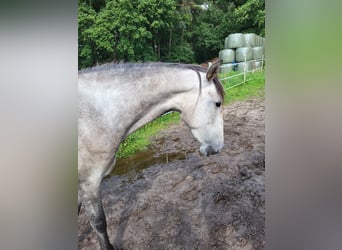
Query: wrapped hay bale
[227, 55]
[241, 66]
[260, 42]
[226, 68]
[242, 53]
[249, 65]
[250, 40]
[234, 41]
[257, 65]
[257, 41]
[257, 52]
[226, 43]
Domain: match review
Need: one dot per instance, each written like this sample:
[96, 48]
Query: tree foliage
[250, 16]
[170, 30]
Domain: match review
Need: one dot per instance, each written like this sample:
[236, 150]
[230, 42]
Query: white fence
[248, 67]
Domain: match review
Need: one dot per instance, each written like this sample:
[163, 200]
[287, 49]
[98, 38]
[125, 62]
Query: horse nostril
[211, 151]
[208, 150]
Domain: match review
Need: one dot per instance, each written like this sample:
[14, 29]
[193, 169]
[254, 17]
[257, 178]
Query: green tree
[209, 31]
[170, 30]
[250, 17]
[222, 18]
[131, 30]
[96, 5]
[86, 44]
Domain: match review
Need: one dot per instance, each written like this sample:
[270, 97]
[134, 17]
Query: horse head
[205, 118]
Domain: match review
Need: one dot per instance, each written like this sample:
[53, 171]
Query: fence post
[244, 71]
[262, 62]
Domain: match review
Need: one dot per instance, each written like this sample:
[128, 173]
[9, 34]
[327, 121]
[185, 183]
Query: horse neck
[170, 91]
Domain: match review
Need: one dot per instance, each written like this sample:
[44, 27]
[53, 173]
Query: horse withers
[117, 99]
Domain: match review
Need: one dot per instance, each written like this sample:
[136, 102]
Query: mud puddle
[143, 159]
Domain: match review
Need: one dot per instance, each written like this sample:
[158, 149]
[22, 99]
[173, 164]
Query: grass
[140, 139]
[254, 87]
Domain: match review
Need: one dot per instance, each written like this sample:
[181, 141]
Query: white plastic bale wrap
[258, 52]
[249, 65]
[234, 41]
[241, 66]
[243, 53]
[257, 41]
[250, 40]
[227, 55]
[261, 41]
[226, 68]
[257, 65]
[226, 43]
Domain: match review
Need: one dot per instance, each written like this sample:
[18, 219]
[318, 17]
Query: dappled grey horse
[117, 99]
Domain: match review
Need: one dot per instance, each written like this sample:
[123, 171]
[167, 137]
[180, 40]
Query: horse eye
[218, 104]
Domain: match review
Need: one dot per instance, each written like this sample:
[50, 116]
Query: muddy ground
[191, 201]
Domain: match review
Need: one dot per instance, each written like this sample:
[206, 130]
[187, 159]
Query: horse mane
[113, 65]
[127, 66]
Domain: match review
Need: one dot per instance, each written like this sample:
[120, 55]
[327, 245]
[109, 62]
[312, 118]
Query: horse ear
[213, 70]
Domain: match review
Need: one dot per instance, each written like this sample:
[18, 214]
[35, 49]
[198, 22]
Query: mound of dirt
[200, 202]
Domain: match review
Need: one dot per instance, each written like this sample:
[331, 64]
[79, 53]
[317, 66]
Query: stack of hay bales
[237, 48]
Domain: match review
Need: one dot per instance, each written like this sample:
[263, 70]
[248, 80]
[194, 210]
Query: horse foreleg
[79, 202]
[79, 208]
[93, 205]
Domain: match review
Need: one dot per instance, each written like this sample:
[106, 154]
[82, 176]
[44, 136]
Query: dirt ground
[193, 201]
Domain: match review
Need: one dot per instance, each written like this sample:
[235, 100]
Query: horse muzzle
[209, 150]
